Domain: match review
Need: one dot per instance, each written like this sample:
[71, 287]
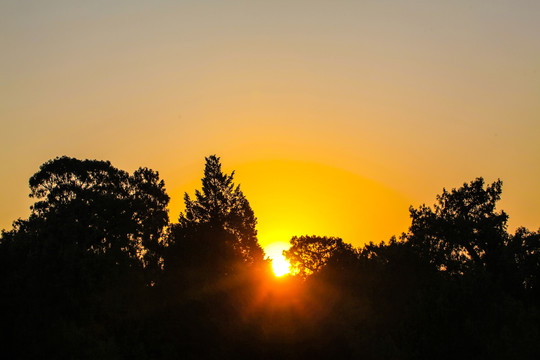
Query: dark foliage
[309, 254]
[72, 272]
[222, 206]
[97, 271]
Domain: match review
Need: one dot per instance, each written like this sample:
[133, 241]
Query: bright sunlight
[279, 264]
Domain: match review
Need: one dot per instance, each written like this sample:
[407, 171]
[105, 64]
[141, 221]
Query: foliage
[93, 241]
[94, 272]
[465, 235]
[222, 206]
[126, 213]
[525, 247]
[309, 254]
[463, 232]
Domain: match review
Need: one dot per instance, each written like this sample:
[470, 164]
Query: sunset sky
[336, 115]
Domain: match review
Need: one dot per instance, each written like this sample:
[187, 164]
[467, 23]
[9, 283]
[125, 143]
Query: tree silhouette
[95, 272]
[464, 231]
[126, 214]
[93, 241]
[309, 254]
[524, 245]
[223, 207]
[465, 235]
[210, 266]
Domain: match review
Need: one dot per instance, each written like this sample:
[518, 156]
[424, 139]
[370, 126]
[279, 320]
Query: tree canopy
[94, 237]
[97, 271]
[221, 205]
[463, 230]
[126, 213]
[309, 254]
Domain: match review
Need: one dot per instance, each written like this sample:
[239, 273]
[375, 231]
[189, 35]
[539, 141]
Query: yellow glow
[292, 197]
[275, 252]
[300, 198]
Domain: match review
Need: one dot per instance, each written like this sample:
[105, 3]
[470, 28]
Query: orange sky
[337, 115]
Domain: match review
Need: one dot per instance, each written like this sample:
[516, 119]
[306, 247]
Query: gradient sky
[336, 115]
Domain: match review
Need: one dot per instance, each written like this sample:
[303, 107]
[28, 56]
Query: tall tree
[89, 214]
[120, 213]
[91, 245]
[463, 231]
[211, 266]
[222, 206]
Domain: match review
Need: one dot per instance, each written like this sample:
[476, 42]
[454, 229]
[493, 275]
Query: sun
[280, 265]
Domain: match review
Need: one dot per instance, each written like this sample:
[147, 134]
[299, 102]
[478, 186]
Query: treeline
[98, 271]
